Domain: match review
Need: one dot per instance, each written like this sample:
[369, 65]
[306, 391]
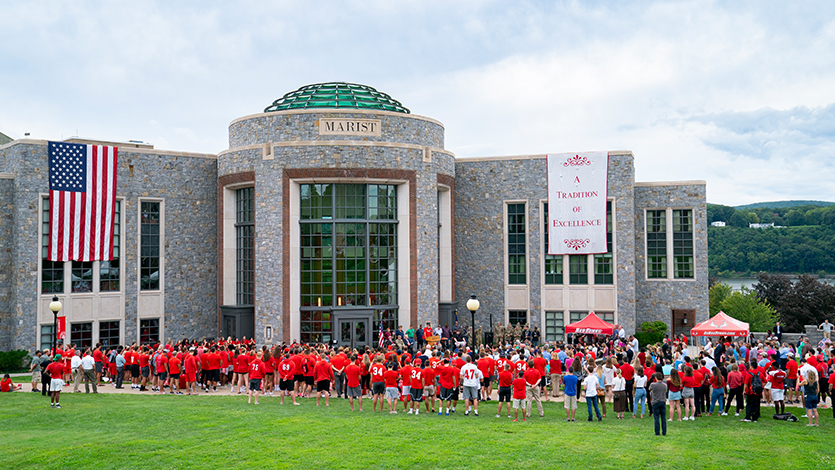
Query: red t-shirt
[352, 372]
[532, 376]
[256, 369]
[213, 361]
[791, 369]
[428, 377]
[298, 360]
[310, 364]
[505, 378]
[242, 364]
[521, 367]
[485, 365]
[323, 371]
[627, 372]
[417, 378]
[6, 385]
[56, 370]
[406, 375]
[286, 369]
[97, 355]
[337, 363]
[391, 377]
[174, 365]
[539, 363]
[556, 365]
[445, 379]
[190, 364]
[434, 362]
[519, 388]
[377, 372]
[689, 382]
[161, 362]
[458, 362]
[777, 380]
[143, 360]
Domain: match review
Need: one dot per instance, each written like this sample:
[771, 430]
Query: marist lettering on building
[364, 127]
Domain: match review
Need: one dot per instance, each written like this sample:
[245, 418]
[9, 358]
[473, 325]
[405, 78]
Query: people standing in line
[658, 397]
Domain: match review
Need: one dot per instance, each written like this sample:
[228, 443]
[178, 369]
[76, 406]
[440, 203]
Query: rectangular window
[554, 326]
[149, 245]
[316, 326]
[81, 334]
[52, 272]
[46, 336]
[349, 259]
[149, 331]
[553, 263]
[603, 264]
[608, 317]
[109, 273]
[516, 244]
[388, 318]
[517, 317]
[245, 246]
[109, 333]
[82, 276]
[574, 317]
[578, 269]
[657, 244]
[683, 243]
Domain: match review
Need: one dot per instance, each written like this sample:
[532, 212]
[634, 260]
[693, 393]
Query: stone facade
[190, 243]
[6, 266]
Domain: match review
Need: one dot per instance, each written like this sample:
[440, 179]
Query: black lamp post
[472, 306]
[55, 306]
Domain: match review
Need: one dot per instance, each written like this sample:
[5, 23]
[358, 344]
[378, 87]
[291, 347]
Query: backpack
[786, 417]
[756, 384]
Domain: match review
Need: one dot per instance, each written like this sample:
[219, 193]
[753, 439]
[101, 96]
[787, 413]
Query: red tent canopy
[720, 325]
[591, 325]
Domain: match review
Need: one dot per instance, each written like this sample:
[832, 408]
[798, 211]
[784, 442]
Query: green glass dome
[336, 95]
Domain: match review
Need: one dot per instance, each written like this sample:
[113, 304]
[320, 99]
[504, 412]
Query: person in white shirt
[88, 366]
[622, 333]
[619, 391]
[590, 384]
[640, 392]
[471, 380]
[635, 345]
[806, 367]
[75, 366]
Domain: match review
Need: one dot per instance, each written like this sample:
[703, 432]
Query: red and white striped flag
[82, 196]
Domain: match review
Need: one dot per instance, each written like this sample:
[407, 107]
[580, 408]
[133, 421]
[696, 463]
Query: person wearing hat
[56, 383]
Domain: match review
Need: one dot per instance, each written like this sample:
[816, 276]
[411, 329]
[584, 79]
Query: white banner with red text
[577, 190]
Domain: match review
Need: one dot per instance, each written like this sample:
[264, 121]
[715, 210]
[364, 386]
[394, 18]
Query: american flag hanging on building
[380, 342]
[82, 194]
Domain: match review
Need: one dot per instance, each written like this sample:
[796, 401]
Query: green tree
[745, 305]
[717, 294]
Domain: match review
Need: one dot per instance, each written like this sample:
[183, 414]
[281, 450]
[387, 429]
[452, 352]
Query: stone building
[335, 212]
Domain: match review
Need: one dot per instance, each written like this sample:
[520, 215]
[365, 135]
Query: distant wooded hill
[805, 246]
[783, 204]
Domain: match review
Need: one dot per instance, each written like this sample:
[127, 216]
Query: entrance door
[354, 333]
[230, 326]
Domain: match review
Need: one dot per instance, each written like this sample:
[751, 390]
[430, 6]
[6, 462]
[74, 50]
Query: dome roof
[336, 95]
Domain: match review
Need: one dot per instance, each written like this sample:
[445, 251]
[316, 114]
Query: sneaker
[410, 411]
[516, 420]
[476, 413]
[735, 414]
[467, 413]
[723, 414]
[745, 420]
[447, 413]
[52, 405]
[440, 413]
[57, 405]
[523, 420]
[670, 419]
[498, 416]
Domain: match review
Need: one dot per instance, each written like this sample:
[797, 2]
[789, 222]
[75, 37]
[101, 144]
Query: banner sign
[577, 190]
[62, 328]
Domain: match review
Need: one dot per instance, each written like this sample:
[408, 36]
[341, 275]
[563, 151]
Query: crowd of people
[432, 377]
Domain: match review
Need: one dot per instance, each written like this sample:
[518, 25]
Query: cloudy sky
[741, 94]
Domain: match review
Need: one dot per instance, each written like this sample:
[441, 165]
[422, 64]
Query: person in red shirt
[353, 372]
[174, 371]
[416, 386]
[242, 369]
[287, 370]
[406, 379]
[791, 378]
[323, 372]
[7, 386]
[97, 358]
[541, 365]
[520, 366]
[338, 364]
[447, 382]
[213, 362]
[378, 384]
[256, 374]
[309, 367]
[429, 388]
[56, 371]
[162, 370]
[752, 399]
[190, 367]
[392, 392]
[628, 374]
[519, 385]
[505, 384]
[144, 368]
[533, 379]
[778, 377]
[485, 365]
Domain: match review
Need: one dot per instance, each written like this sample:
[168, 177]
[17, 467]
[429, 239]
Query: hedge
[13, 361]
[651, 332]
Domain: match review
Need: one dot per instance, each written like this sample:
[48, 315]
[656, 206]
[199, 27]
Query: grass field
[118, 431]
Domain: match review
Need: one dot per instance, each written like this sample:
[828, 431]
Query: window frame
[245, 245]
[160, 282]
[516, 263]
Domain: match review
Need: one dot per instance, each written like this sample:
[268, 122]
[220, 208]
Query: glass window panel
[516, 244]
[149, 275]
[149, 331]
[657, 244]
[578, 269]
[683, 243]
[52, 272]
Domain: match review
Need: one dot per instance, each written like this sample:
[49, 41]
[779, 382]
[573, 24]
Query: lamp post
[55, 306]
[472, 306]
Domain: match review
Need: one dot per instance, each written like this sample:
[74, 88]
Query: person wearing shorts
[505, 384]
[56, 384]
[256, 374]
[353, 388]
[392, 392]
[471, 377]
[570, 382]
[323, 373]
[429, 388]
[519, 400]
[416, 387]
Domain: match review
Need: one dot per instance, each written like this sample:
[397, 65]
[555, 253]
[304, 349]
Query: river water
[738, 282]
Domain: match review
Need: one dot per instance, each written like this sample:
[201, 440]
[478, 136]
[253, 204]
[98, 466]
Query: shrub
[12, 361]
[651, 332]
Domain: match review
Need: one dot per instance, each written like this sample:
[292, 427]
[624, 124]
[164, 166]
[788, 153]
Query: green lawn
[117, 431]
